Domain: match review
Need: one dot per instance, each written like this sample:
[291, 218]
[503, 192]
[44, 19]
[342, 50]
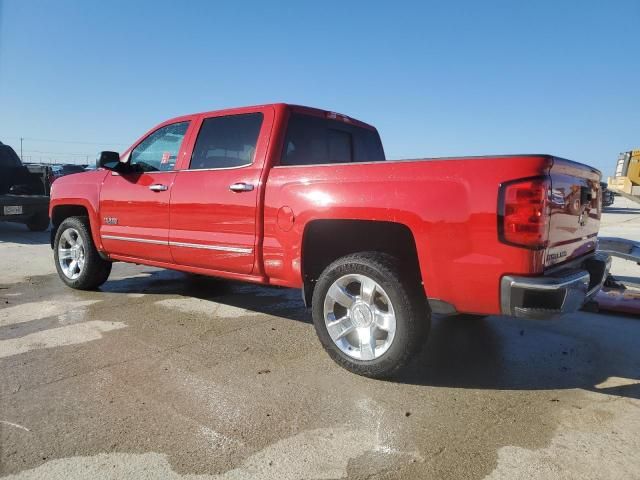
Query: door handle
[158, 187]
[241, 187]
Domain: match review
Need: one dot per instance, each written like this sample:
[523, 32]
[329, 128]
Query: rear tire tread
[409, 302]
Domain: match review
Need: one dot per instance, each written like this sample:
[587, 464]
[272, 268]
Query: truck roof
[279, 106]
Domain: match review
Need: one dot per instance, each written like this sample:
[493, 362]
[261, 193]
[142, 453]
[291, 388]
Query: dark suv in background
[24, 191]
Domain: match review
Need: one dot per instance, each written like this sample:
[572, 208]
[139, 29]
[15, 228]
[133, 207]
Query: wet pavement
[162, 375]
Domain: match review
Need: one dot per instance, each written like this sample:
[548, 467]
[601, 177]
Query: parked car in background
[24, 191]
[66, 169]
[608, 197]
[304, 198]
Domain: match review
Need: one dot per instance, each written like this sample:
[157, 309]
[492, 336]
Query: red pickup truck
[304, 198]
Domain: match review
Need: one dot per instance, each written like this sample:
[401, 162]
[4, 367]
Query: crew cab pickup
[304, 198]
[24, 191]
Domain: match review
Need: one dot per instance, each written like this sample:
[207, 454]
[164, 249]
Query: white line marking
[11, 424]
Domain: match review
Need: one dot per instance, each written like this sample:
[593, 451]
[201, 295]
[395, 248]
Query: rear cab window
[312, 140]
[226, 142]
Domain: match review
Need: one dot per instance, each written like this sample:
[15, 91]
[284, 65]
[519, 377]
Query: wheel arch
[60, 212]
[325, 240]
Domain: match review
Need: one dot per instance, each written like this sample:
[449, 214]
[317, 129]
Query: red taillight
[524, 213]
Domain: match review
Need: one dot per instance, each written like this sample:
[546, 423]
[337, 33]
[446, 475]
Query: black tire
[413, 317]
[38, 223]
[96, 270]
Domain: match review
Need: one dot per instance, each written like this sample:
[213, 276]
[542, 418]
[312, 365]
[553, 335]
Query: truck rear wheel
[78, 263]
[369, 318]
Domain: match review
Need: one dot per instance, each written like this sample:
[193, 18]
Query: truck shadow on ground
[594, 352]
[20, 234]
[502, 353]
[282, 302]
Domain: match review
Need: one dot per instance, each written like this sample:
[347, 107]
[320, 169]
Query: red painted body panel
[142, 214]
[81, 189]
[451, 213]
[449, 205]
[205, 211]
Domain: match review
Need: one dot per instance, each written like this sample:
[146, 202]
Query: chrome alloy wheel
[71, 254]
[359, 317]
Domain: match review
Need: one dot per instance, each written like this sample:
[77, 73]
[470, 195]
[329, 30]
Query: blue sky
[437, 78]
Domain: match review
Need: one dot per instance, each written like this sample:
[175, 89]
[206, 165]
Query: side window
[159, 151]
[312, 140]
[367, 146]
[226, 141]
[305, 142]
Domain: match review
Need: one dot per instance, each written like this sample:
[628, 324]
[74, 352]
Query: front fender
[78, 191]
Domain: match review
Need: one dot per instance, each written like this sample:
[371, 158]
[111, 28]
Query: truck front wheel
[370, 318]
[78, 263]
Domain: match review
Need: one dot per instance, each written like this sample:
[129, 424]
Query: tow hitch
[620, 294]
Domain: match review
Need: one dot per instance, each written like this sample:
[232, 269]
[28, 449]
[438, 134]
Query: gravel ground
[161, 375]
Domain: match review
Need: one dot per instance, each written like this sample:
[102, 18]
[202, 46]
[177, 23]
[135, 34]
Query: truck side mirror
[108, 160]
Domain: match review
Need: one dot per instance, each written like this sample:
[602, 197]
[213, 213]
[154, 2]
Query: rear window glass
[225, 142]
[312, 140]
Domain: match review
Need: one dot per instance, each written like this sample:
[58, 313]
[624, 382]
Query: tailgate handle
[585, 195]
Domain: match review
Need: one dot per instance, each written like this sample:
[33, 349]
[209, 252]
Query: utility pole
[21, 139]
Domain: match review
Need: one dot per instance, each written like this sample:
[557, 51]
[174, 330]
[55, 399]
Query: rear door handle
[158, 187]
[241, 187]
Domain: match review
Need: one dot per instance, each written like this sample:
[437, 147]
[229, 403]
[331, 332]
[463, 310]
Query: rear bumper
[32, 205]
[561, 291]
[620, 247]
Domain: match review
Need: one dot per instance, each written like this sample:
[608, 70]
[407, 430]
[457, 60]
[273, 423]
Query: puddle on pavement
[316, 454]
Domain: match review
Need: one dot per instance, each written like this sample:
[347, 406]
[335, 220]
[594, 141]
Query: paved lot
[166, 376]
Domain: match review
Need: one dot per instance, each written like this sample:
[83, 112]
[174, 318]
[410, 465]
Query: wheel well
[62, 212]
[327, 240]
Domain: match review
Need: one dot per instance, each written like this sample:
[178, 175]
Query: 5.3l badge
[111, 220]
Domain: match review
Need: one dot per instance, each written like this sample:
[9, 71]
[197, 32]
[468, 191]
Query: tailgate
[575, 211]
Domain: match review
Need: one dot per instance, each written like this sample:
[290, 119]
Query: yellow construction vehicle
[626, 180]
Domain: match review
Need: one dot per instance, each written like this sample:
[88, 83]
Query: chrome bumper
[620, 247]
[560, 291]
